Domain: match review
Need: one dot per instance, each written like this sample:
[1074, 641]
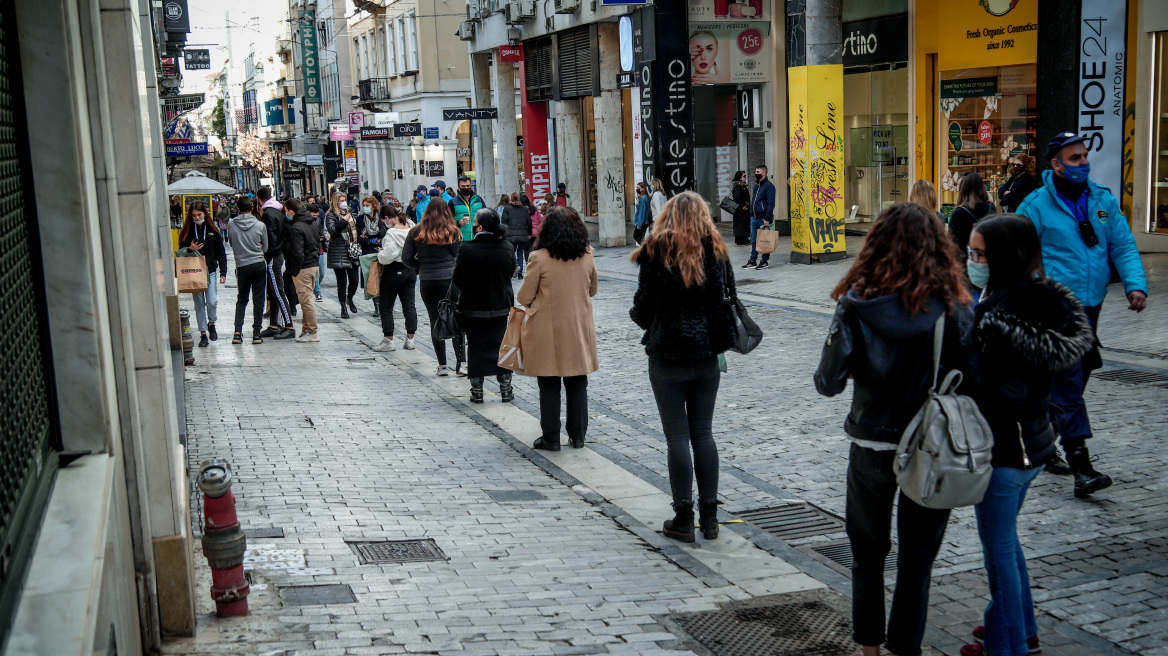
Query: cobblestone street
[333, 444]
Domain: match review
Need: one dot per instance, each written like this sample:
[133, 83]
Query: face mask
[200, 221]
[1076, 173]
[366, 210]
[758, 177]
[979, 273]
[464, 192]
[419, 195]
[289, 216]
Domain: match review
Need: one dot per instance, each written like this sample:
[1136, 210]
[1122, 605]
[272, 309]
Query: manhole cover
[809, 628]
[797, 520]
[838, 556]
[317, 595]
[515, 495]
[1133, 377]
[261, 533]
[397, 551]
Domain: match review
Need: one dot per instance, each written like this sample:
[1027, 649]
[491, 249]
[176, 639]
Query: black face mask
[464, 192]
[758, 177]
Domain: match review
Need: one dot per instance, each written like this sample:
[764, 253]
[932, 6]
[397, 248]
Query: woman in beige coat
[559, 335]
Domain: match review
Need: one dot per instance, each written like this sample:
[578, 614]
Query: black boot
[681, 527]
[377, 306]
[476, 390]
[1057, 465]
[352, 306]
[1087, 480]
[708, 518]
[506, 392]
[344, 311]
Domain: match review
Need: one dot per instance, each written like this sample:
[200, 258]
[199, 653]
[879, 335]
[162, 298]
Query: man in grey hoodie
[248, 238]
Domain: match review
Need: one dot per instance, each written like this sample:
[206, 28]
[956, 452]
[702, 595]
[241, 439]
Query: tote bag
[767, 240]
[511, 350]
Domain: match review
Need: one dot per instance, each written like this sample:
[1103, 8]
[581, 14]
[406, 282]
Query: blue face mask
[1076, 174]
[979, 273]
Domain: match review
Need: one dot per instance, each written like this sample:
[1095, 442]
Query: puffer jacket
[431, 261]
[302, 250]
[518, 223]
[1026, 335]
[340, 236]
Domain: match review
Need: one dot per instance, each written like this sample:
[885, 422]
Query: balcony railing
[374, 89]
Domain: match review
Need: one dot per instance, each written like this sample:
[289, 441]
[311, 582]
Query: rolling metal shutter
[537, 66]
[578, 62]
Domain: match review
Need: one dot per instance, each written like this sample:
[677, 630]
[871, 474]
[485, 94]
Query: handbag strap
[725, 290]
[938, 339]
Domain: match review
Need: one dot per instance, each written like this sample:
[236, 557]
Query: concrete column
[610, 173]
[503, 75]
[484, 144]
[569, 149]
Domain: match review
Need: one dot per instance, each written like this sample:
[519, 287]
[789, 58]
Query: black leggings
[397, 282]
[685, 391]
[549, 406]
[351, 276]
[253, 279]
[433, 291]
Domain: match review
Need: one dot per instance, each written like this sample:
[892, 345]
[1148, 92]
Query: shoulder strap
[938, 339]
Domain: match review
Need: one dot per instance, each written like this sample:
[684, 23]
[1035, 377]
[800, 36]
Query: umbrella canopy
[195, 183]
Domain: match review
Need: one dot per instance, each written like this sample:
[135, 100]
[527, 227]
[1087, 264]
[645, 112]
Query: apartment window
[402, 48]
[365, 57]
[413, 21]
[379, 45]
[391, 46]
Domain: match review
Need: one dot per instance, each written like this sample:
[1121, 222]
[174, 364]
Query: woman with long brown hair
[685, 275]
[342, 230]
[905, 279]
[430, 249]
[973, 204]
[199, 233]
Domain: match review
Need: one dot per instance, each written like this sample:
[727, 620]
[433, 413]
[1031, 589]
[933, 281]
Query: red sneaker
[1031, 642]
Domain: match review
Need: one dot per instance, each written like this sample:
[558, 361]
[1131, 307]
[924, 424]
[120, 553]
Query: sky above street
[209, 29]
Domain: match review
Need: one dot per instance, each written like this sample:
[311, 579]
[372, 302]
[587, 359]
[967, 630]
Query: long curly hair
[908, 251]
[437, 225]
[678, 238]
[562, 234]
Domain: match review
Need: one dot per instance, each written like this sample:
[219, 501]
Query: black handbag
[730, 205]
[747, 334]
[446, 324]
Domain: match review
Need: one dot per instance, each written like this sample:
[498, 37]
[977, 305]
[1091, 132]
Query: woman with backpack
[905, 277]
[1029, 328]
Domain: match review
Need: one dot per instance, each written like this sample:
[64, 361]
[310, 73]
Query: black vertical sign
[667, 141]
[648, 129]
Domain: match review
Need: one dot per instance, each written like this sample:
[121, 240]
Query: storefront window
[988, 117]
[876, 143]
[1159, 219]
[714, 138]
[464, 153]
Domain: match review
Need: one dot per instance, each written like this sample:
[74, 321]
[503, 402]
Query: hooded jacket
[888, 351]
[277, 224]
[248, 238]
[392, 245]
[302, 250]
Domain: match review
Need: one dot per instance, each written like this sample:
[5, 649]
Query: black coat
[302, 250]
[1025, 336]
[370, 243]
[740, 194]
[683, 323]
[962, 220]
[340, 236]
[518, 222]
[277, 225]
[431, 261]
[483, 276]
[1015, 190]
[888, 351]
[213, 249]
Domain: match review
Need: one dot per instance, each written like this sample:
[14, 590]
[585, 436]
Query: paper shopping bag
[767, 241]
[510, 350]
[190, 270]
[373, 280]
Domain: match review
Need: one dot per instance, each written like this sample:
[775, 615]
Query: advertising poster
[339, 132]
[1102, 63]
[817, 159]
[729, 52]
[727, 10]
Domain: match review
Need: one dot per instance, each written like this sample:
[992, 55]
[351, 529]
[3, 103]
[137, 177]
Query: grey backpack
[943, 460]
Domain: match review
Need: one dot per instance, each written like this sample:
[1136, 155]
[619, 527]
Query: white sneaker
[308, 337]
[461, 371]
[409, 343]
[385, 345]
[443, 370]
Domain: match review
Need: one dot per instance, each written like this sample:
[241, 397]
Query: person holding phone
[199, 233]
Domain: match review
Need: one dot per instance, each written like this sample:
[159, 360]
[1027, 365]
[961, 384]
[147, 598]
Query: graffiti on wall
[800, 233]
[817, 163]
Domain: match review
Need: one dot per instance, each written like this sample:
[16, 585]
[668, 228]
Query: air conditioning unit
[513, 12]
[567, 6]
[466, 31]
[527, 8]
[472, 10]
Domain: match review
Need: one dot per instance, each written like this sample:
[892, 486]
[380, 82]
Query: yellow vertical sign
[816, 98]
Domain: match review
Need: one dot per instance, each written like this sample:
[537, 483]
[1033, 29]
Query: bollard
[188, 342]
[223, 539]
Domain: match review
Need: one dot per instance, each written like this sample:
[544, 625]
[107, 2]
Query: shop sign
[435, 169]
[170, 142]
[483, 113]
[955, 136]
[386, 119]
[350, 152]
[463, 153]
[876, 40]
[339, 132]
[273, 112]
[1102, 69]
[430, 133]
[969, 87]
[985, 133]
[648, 145]
[356, 122]
[407, 129]
[730, 52]
[985, 33]
[176, 18]
[183, 150]
[511, 53]
[293, 175]
[314, 160]
[308, 56]
[626, 80]
[724, 10]
[368, 134]
[196, 60]
[747, 108]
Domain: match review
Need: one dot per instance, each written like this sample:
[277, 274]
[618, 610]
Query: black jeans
[346, 283]
[549, 406]
[251, 279]
[686, 391]
[278, 314]
[397, 282]
[919, 530]
[290, 289]
[433, 291]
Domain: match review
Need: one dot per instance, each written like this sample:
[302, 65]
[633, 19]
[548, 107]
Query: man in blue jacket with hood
[1083, 233]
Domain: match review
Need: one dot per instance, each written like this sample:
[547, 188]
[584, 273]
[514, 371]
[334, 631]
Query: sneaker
[521, 276]
[319, 297]
[211, 332]
[750, 265]
[203, 340]
[270, 331]
[443, 370]
[308, 337]
[257, 340]
[287, 333]
[461, 371]
[409, 343]
[763, 265]
[1031, 643]
[1057, 465]
[237, 339]
[385, 345]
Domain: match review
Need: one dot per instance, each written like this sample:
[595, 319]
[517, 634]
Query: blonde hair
[924, 194]
[679, 235]
[335, 205]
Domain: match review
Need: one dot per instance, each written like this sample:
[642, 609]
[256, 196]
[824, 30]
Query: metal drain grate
[838, 555]
[809, 628]
[515, 495]
[1133, 377]
[397, 551]
[262, 533]
[798, 520]
[317, 595]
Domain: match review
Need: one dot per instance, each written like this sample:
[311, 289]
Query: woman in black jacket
[482, 275]
[904, 279]
[1019, 185]
[516, 221]
[973, 204]
[200, 234]
[740, 194]
[1029, 328]
[342, 231]
[430, 250]
[679, 302]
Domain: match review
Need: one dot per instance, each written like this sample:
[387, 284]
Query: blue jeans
[1009, 618]
[1066, 395]
[322, 264]
[207, 303]
[755, 224]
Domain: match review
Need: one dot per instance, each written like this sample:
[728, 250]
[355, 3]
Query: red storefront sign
[511, 53]
[537, 162]
[985, 133]
[170, 142]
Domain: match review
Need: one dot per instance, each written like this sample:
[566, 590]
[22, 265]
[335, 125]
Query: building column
[484, 143]
[569, 150]
[610, 193]
[505, 134]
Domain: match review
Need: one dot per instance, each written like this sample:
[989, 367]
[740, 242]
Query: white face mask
[200, 221]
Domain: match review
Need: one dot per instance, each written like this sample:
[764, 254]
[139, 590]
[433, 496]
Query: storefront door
[876, 143]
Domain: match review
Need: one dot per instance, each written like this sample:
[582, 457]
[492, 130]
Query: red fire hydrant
[223, 539]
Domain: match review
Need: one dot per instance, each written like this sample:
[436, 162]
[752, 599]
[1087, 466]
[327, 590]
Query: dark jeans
[1070, 414]
[397, 282]
[433, 291]
[251, 279]
[685, 391]
[755, 226]
[290, 289]
[278, 314]
[549, 406]
[919, 530]
[522, 250]
[346, 283]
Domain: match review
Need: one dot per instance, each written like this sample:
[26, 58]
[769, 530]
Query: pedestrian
[199, 233]
[342, 231]
[973, 204]
[504, 201]
[397, 281]
[562, 195]
[464, 207]
[248, 242]
[923, 193]
[762, 213]
[317, 212]
[559, 334]
[641, 215]
[482, 275]
[370, 229]
[905, 277]
[430, 250]
[1020, 183]
[1029, 328]
[279, 316]
[740, 193]
[536, 215]
[517, 223]
[423, 196]
[685, 275]
[302, 256]
[657, 200]
[1083, 235]
[445, 194]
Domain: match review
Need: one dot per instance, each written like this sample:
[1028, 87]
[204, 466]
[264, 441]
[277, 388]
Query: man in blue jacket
[1083, 233]
[762, 213]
